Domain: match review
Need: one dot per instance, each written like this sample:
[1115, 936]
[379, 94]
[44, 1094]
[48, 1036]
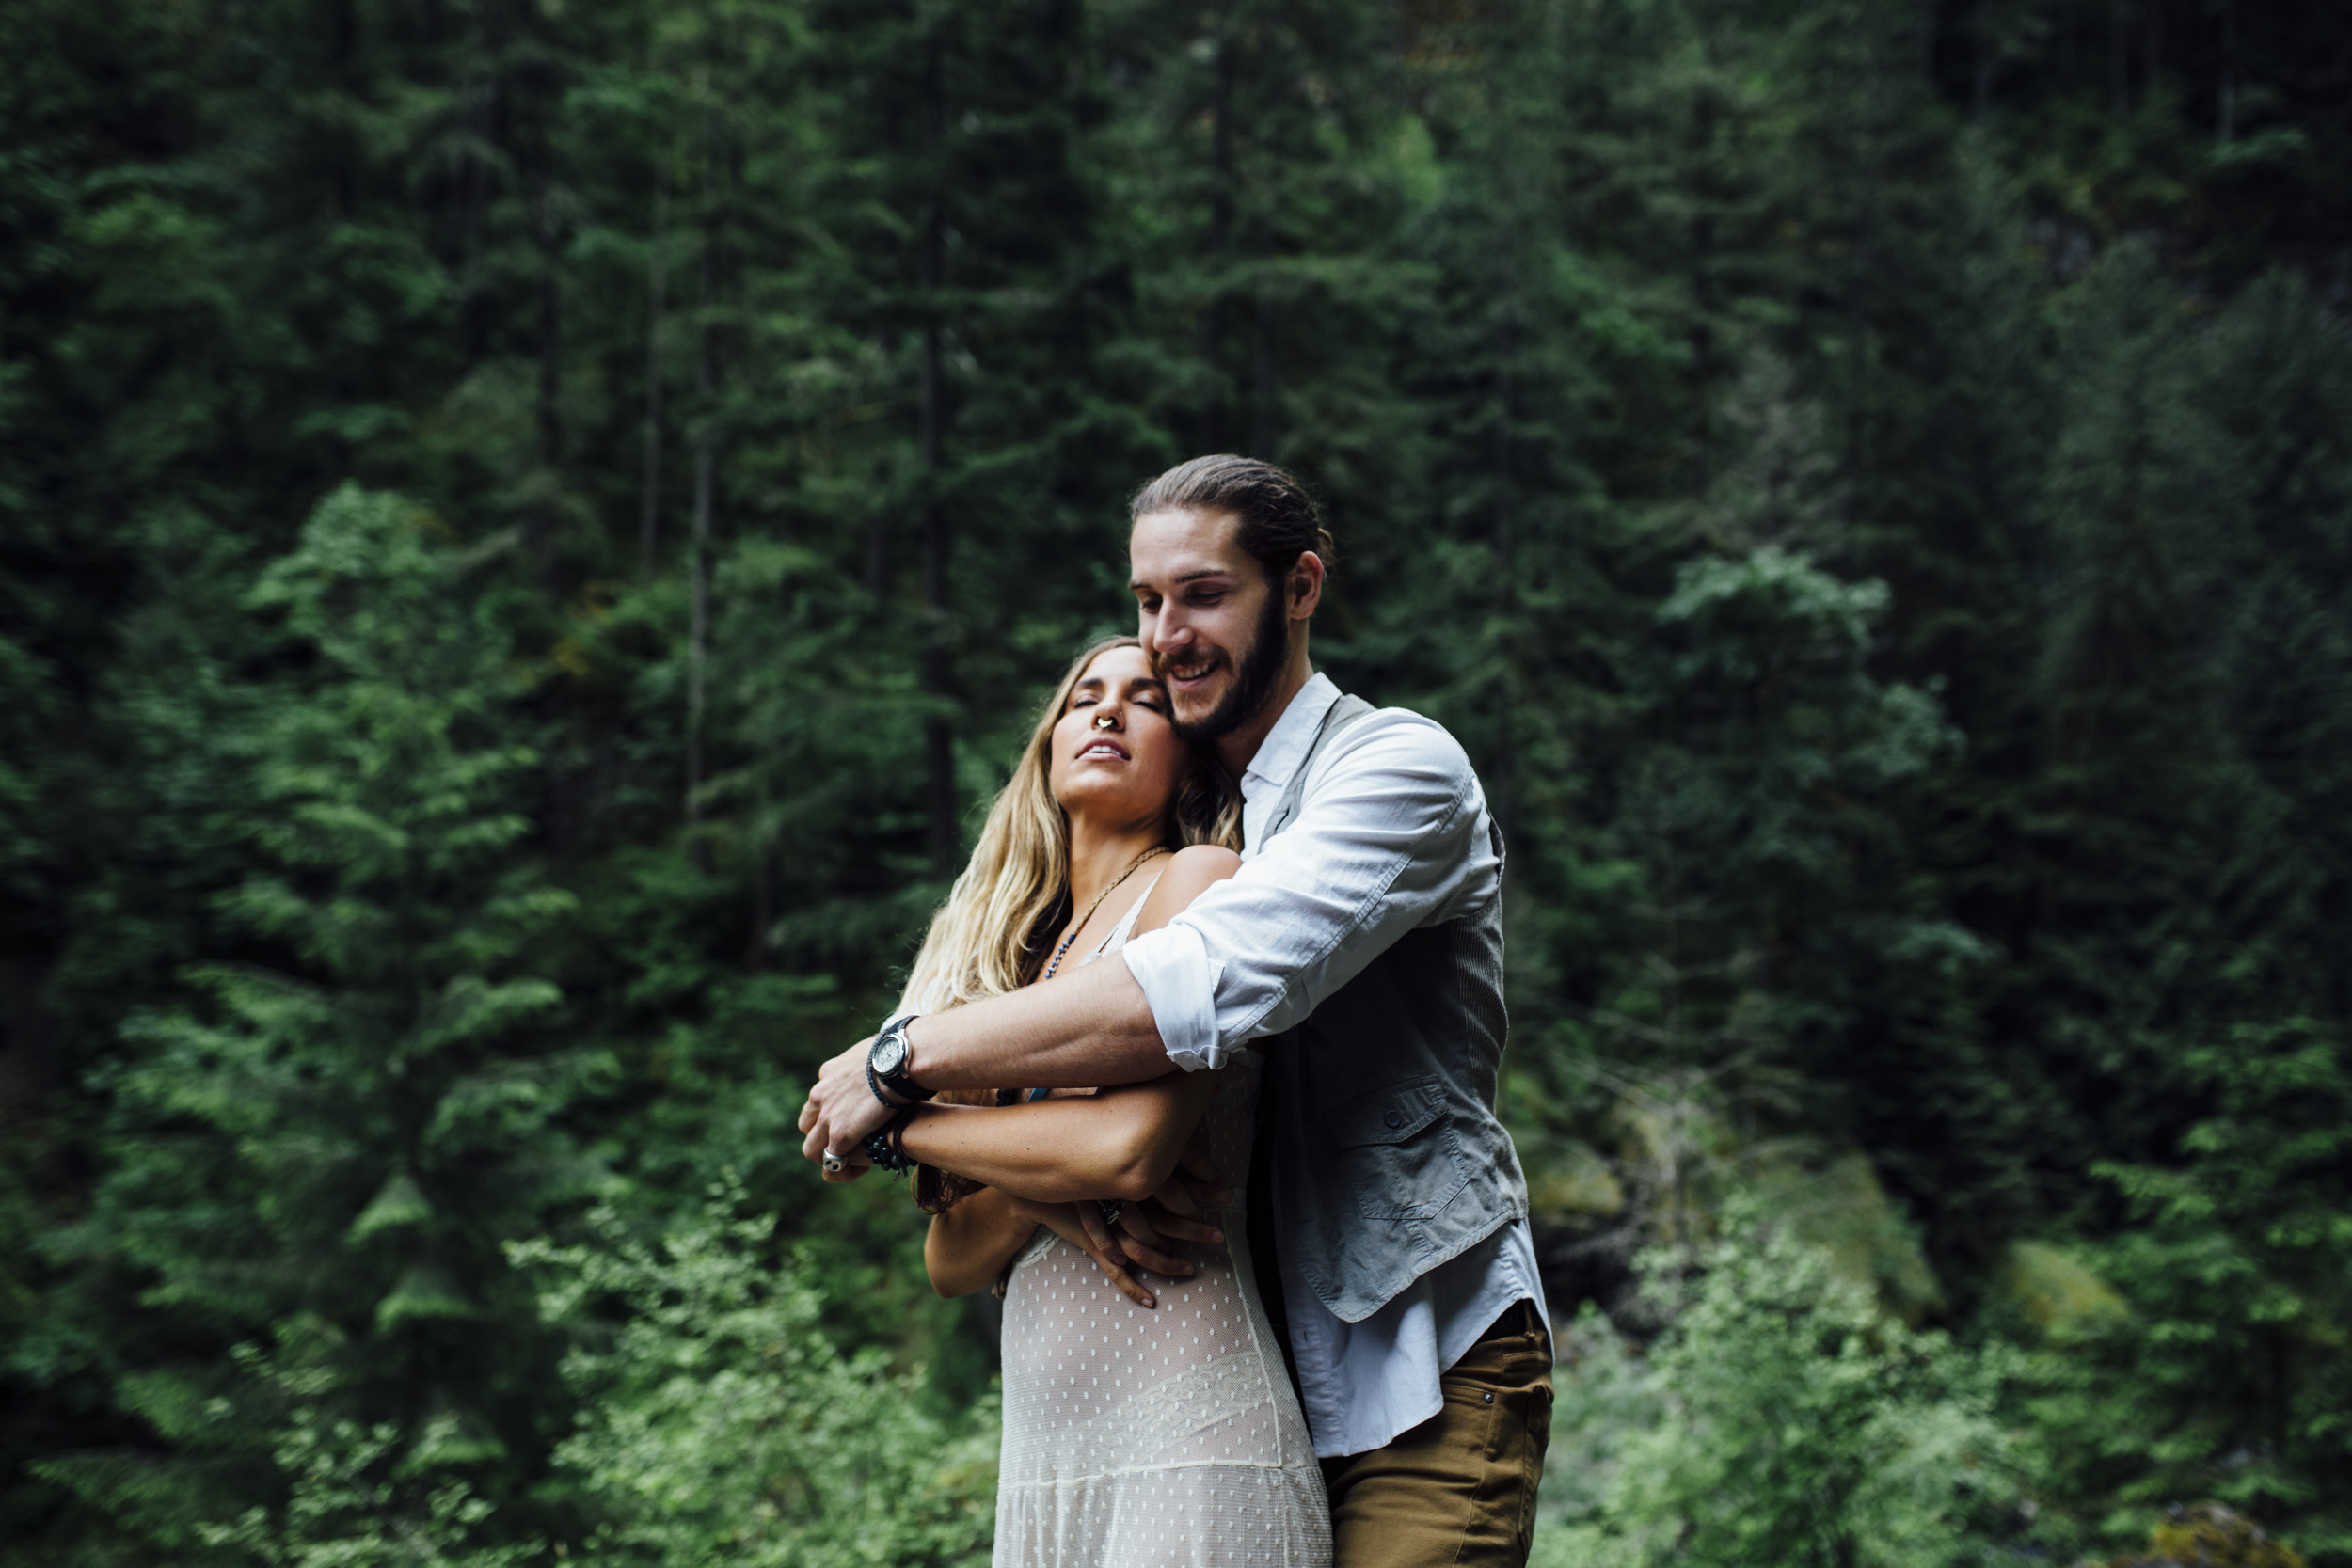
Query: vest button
[1392, 1118]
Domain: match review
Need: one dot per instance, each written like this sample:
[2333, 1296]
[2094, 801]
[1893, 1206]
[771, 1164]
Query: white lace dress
[1165, 1439]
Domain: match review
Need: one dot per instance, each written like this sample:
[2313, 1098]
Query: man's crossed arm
[1090, 1029]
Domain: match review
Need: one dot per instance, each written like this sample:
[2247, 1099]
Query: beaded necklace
[1090, 909]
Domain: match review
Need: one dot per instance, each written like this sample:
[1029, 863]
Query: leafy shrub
[1781, 1418]
[354, 1505]
[2225, 1375]
[720, 1425]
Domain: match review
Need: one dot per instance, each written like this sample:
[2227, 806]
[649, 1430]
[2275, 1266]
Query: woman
[1159, 1428]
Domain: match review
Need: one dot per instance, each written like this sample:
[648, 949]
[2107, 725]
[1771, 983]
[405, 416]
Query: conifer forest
[530, 530]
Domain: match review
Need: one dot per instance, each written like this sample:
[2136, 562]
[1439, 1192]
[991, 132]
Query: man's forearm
[1088, 1030]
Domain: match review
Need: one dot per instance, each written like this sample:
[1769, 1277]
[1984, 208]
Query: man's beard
[1254, 678]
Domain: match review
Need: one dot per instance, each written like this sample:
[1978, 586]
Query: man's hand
[1077, 1224]
[1148, 1233]
[1169, 1215]
[1200, 1179]
[1132, 1239]
[842, 1112]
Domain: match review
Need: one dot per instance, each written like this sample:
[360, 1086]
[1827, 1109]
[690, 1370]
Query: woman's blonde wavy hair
[992, 934]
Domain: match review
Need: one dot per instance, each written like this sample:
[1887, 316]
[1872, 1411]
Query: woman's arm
[1119, 1143]
[970, 1245]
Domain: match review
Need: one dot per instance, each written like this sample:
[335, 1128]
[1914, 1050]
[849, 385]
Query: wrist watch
[886, 1065]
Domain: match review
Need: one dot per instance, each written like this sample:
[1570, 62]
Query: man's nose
[1164, 630]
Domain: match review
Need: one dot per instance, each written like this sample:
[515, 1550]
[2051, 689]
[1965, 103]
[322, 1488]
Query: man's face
[1215, 629]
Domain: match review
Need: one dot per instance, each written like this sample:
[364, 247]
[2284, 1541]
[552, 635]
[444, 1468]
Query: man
[1365, 928]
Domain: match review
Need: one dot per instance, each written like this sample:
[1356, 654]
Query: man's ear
[1303, 585]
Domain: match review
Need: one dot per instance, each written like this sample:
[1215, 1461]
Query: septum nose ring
[1104, 721]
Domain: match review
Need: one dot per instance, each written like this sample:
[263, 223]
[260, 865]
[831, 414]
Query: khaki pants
[1459, 1489]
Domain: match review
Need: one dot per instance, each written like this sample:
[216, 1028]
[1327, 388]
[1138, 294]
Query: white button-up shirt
[1391, 834]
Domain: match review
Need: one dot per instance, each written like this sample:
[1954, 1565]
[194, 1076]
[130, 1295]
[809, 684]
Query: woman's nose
[1110, 716]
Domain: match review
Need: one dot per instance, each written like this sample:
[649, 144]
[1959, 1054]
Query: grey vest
[1386, 1152]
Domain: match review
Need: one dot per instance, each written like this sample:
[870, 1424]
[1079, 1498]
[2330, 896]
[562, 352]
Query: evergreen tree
[326, 1150]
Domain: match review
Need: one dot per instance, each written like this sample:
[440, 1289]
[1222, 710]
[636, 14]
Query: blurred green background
[531, 529]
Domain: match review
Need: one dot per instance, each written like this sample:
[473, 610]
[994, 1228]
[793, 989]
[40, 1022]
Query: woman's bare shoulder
[1200, 865]
[1190, 873]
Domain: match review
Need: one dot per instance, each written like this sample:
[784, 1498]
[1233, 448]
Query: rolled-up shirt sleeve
[1391, 834]
[1172, 966]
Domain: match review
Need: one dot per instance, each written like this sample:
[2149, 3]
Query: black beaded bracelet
[883, 1148]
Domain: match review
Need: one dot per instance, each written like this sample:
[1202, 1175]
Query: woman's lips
[1104, 748]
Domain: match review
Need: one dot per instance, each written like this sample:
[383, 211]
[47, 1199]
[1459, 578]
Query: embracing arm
[1089, 1027]
[1121, 1143]
[1092, 1026]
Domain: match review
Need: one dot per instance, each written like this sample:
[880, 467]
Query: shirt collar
[1286, 744]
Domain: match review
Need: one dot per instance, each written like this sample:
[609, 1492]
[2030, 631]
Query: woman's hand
[1081, 1226]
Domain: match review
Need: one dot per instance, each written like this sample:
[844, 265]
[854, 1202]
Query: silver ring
[1104, 721]
[836, 1164]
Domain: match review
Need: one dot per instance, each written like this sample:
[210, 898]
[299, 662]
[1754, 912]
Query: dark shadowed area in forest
[531, 529]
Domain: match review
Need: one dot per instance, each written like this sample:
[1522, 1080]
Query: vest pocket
[1396, 1150]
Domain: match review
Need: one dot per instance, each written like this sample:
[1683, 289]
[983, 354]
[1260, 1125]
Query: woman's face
[1115, 756]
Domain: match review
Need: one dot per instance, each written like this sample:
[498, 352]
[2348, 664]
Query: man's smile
[1187, 671]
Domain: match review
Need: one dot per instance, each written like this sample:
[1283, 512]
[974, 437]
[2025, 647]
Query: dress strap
[1117, 937]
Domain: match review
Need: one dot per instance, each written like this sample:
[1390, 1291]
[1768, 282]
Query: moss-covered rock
[2209, 1535]
[2057, 1290]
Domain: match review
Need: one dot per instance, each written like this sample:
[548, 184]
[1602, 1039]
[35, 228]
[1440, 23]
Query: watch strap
[900, 1083]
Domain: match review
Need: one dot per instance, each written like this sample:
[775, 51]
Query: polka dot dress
[1155, 1439]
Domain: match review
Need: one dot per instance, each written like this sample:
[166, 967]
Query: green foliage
[529, 530]
[331, 1143]
[1780, 1418]
[2228, 1375]
[719, 1422]
[349, 1505]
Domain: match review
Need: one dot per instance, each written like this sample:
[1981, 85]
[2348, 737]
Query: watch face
[890, 1054]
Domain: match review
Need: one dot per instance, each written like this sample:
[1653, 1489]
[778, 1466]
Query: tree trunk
[939, 759]
[546, 512]
[1702, 245]
[2225, 109]
[1981, 90]
[1506, 597]
[1261, 383]
[657, 299]
[2118, 57]
[698, 645]
[1216, 426]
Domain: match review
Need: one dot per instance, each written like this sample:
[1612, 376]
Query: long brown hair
[990, 936]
